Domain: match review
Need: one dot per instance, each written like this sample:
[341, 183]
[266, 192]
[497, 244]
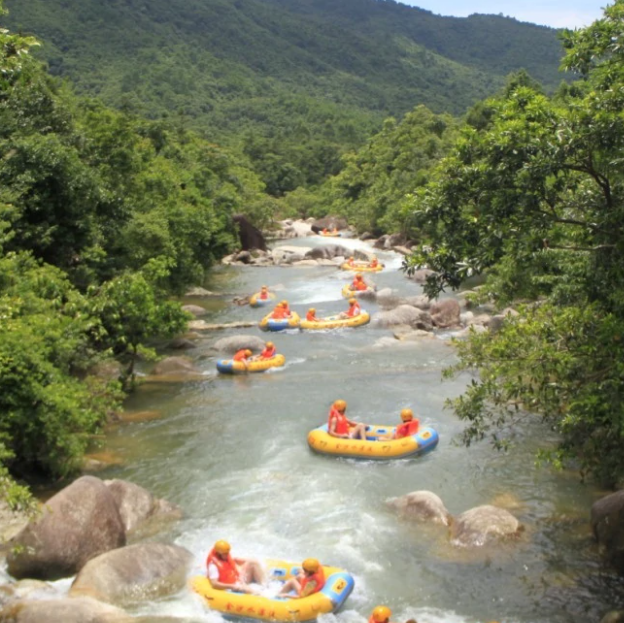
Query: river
[232, 452]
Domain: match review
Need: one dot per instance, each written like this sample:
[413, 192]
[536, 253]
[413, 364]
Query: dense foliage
[103, 216]
[299, 81]
[533, 196]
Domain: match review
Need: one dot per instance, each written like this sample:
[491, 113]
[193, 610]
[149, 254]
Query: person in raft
[264, 293]
[381, 614]
[409, 426]
[237, 574]
[242, 355]
[353, 311]
[311, 580]
[358, 283]
[338, 425]
[351, 261]
[286, 308]
[280, 312]
[311, 315]
[269, 351]
[374, 262]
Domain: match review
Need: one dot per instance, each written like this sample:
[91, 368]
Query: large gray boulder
[137, 505]
[196, 310]
[403, 315]
[607, 524]
[422, 301]
[234, 343]
[389, 299]
[83, 610]
[77, 524]
[25, 589]
[482, 525]
[330, 222]
[420, 275]
[174, 365]
[134, 574]
[423, 506]
[445, 313]
[327, 252]
[249, 235]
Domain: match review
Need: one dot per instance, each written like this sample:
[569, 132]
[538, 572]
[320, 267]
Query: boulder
[496, 322]
[327, 252]
[395, 240]
[199, 292]
[174, 365]
[108, 370]
[607, 524]
[134, 574]
[234, 343]
[423, 506]
[136, 504]
[403, 315]
[83, 610]
[25, 589]
[413, 335]
[281, 254]
[196, 310]
[615, 616]
[445, 313]
[388, 299]
[330, 222]
[380, 243]
[77, 524]
[182, 343]
[12, 522]
[243, 256]
[366, 236]
[482, 525]
[420, 275]
[249, 235]
[422, 301]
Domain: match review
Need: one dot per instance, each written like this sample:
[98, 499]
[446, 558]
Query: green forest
[119, 181]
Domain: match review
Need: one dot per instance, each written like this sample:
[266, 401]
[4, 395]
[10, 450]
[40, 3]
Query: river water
[232, 452]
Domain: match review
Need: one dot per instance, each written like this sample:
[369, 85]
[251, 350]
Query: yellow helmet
[248, 353]
[312, 310]
[351, 257]
[284, 303]
[352, 301]
[269, 345]
[407, 414]
[222, 547]
[381, 614]
[311, 564]
[341, 405]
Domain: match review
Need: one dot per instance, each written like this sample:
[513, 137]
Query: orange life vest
[240, 355]
[279, 313]
[374, 263]
[311, 317]
[354, 310]
[268, 353]
[407, 428]
[318, 577]
[228, 572]
[359, 284]
[342, 424]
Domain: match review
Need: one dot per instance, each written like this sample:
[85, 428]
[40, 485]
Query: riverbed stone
[196, 310]
[78, 523]
[482, 525]
[174, 365]
[137, 504]
[134, 574]
[422, 301]
[198, 292]
[12, 522]
[445, 313]
[403, 315]
[615, 616]
[182, 343]
[420, 275]
[388, 299]
[422, 506]
[25, 589]
[330, 222]
[327, 252]
[80, 610]
[607, 524]
[234, 343]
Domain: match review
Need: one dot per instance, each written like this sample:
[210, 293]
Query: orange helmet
[351, 257]
[222, 547]
[340, 405]
[312, 310]
[311, 564]
[269, 345]
[358, 276]
[284, 303]
[407, 415]
[352, 301]
[381, 614]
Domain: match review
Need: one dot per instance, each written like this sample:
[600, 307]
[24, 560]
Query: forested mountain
[330, 68]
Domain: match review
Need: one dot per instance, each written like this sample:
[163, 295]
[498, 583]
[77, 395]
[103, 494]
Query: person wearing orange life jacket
[284, 304]
[374, 262]
[353, 311]
[409, 426]
[338, 425]
[311, 315]
[242, 355]
[279, 313]
[311, 580]
[358, 283]
[264, 293]
[381, 614]
[269, 351]
[225, 572]
[351, 261]
[325, 230]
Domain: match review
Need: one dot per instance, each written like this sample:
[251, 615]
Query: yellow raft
[271, 324]
[423, 441]
[256, 301]
[335, 322]
[229, 366]
[362, 268]
[338, 586]
[347, 292]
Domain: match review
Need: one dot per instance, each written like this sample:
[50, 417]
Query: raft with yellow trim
[425, 440]
[338, 586]
[331, 234]
[348, 292]
[256, 301]
[272, 324]
[335, 322]
[229, 366]
[362, 268]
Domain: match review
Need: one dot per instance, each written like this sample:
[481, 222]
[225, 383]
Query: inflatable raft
[348, 292]
[338, 586]
[271, 324]
[335, 322]
[331, 234]
[229, 366]
[425, 440]
[256, 301]
[362, 268]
